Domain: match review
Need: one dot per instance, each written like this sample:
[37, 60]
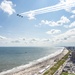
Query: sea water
[11, 57]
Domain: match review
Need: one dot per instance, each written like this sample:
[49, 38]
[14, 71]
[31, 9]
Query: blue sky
[44, 23]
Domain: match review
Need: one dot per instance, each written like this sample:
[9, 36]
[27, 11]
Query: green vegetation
[53, 69]
[65, 73]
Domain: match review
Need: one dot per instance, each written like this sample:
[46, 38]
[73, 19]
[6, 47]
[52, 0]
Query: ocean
[11, 57]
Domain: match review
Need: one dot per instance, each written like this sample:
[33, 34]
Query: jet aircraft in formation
[20, 15]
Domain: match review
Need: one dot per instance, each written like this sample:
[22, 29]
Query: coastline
[37, 66]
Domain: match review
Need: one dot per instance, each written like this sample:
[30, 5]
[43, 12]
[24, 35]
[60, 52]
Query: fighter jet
[20, 15]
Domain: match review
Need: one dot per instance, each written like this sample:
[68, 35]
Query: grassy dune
[53, 69]
[65, 73]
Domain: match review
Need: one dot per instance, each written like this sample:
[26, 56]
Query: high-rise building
[73, 56]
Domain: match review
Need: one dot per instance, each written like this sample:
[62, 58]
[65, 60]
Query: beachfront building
[71, 48]
[70, 65]
[73, 56]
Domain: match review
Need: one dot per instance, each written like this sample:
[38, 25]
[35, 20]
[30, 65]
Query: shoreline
[37, 66]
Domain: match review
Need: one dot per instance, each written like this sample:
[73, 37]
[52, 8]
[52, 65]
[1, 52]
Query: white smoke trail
[62, 5]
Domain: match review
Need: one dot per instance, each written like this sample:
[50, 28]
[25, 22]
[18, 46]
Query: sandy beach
[37, 68]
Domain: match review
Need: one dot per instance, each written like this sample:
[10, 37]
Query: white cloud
[63, 4]
[53, 31]
[63, 38]
[73, 11]
[71, 39]
[2, 38]
[72, 16]
[16, 41]
[67, 38]
[7, 6]
[63, 20]
[46, 40]
[23, 41]
[71, 25]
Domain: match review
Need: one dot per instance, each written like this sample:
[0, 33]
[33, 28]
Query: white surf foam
[22, 67]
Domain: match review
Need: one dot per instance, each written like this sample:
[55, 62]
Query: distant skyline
[44, 23]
